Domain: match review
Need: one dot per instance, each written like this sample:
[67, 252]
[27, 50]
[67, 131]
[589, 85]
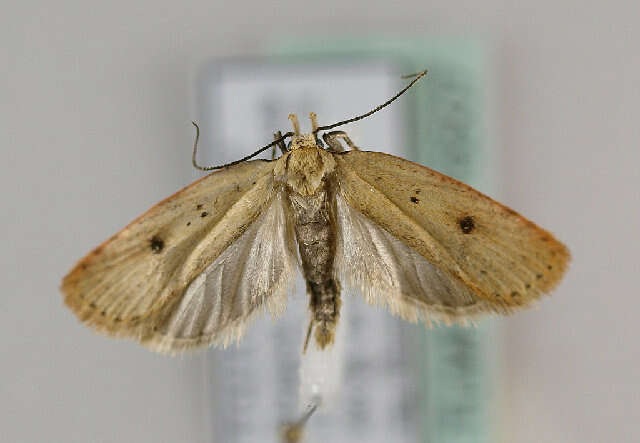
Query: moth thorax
[305, 167]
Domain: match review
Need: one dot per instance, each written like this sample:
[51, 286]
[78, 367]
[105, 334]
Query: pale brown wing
[124, 286]
[490, 257]
[389, 273]
[252, 274]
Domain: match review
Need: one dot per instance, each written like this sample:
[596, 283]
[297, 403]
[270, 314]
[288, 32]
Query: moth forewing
[124, 286]
[506, 260]
[253, 273]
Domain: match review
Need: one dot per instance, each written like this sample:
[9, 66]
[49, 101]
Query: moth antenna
[417, 76]
[226, 165]
[281, 145]
[295, 123]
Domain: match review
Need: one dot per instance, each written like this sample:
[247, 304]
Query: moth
[196, 268]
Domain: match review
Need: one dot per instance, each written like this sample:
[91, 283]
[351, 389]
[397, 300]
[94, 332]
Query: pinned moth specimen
[197, 267]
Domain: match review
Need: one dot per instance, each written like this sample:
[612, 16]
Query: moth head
[306, 164]
[300, 140]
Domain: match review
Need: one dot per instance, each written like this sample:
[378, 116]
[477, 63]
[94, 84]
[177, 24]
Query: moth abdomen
[316, 236]
[325, 310]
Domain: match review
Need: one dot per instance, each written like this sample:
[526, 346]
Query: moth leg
[306, 340]
[332, 139]
[280, 145]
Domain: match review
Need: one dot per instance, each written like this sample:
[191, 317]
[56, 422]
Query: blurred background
[541, 112]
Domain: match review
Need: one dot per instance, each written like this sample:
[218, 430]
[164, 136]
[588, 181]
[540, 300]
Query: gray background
[95, 101]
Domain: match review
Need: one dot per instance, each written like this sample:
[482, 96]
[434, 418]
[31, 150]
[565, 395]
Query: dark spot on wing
[527, 285]
[254, 183]
[549, 267]
[199, 206]
[157, 244]
[417, 191]
[414, 200]
[467, 225]
[538, 276]
[92, 304]
[204, 214]
[515, 294]
[188, 223]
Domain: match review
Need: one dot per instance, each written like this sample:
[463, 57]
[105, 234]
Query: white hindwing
[253, 274]
[389, 273]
